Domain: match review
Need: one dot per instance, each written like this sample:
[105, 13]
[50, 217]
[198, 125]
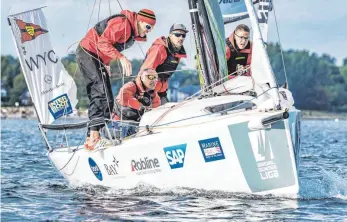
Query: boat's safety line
[69, 174]
[164, 125]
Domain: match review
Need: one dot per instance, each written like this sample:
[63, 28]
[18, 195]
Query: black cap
[178, 27]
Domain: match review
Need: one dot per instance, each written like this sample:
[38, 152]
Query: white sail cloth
[52, 89]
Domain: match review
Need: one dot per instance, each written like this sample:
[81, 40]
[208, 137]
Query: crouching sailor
[134, 98]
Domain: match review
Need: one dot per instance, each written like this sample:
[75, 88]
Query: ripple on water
[31, 189]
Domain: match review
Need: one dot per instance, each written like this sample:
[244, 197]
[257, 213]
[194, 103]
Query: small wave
[328, 185]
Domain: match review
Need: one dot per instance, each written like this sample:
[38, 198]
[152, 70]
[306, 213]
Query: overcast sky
[316, 25]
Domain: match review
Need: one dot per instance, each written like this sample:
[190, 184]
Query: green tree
[19, 88]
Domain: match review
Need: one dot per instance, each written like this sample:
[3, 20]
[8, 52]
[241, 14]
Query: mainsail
[52, 89]
[236, 10]
[209, 36]
[262, 72]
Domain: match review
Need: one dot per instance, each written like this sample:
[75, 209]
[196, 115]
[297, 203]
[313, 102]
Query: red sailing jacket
[235, 56]
[118, 30]
[156, 56]
[130, 94]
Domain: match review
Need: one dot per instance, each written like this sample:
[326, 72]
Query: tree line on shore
[316, 82]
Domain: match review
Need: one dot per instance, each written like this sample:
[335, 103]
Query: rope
[157, 72]
[279, 40]
[193, 117]
[120, 5]
[109, 7]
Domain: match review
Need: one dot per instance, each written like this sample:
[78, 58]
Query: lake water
[32, 190]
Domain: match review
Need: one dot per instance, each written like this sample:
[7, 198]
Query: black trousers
[98, 85]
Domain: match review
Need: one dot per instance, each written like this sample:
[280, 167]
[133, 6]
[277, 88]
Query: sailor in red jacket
[164, 56]
[239, 51]
[135, 97]
[103, 43]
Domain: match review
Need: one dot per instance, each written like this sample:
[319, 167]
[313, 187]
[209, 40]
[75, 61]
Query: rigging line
[186, 100]
[77, 42]
[99, 11]
[120, 5]
[210, 54]
[109, 7]
[279, 40]
[121, 116]
[157, 73]
[102, 66]
[193, 117]
[91, 15]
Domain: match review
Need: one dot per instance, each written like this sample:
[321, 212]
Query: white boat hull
[217, 152]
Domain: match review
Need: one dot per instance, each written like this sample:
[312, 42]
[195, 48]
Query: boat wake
[328, 185]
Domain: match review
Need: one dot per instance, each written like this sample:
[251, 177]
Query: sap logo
[95, 169]
[175, 155]
[47, 56]
[60, 106]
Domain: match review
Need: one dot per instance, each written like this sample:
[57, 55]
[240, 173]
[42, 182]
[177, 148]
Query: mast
[193, 9]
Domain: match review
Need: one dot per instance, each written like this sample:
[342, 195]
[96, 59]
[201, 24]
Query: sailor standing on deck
[164, 56]
[103, 43]
[239, 51]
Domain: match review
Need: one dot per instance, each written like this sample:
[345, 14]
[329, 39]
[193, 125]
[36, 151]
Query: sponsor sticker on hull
[175, 155]
[211, 149]
[145, 165]
[264, 156]
[95, 169]
[112, 168]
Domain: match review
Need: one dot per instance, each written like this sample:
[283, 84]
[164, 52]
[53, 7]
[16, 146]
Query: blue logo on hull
[95, 169]
[175, 155]
[211, 149]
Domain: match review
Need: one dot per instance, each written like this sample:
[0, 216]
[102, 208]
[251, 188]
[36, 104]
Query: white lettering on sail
[41, 57]
[263, 11]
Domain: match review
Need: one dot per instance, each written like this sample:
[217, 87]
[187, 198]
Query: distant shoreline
[28, 112]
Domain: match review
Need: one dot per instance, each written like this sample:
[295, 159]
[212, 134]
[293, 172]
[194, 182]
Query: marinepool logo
[145, 166]
[175, 155]
[95, 169]
[211, 149]
[60, 106]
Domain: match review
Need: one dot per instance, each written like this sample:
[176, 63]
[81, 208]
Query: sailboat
[216, 140]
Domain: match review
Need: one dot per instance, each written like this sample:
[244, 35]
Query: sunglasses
[243, 38]
[152, 77]
[148, 27]
[179, 35]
